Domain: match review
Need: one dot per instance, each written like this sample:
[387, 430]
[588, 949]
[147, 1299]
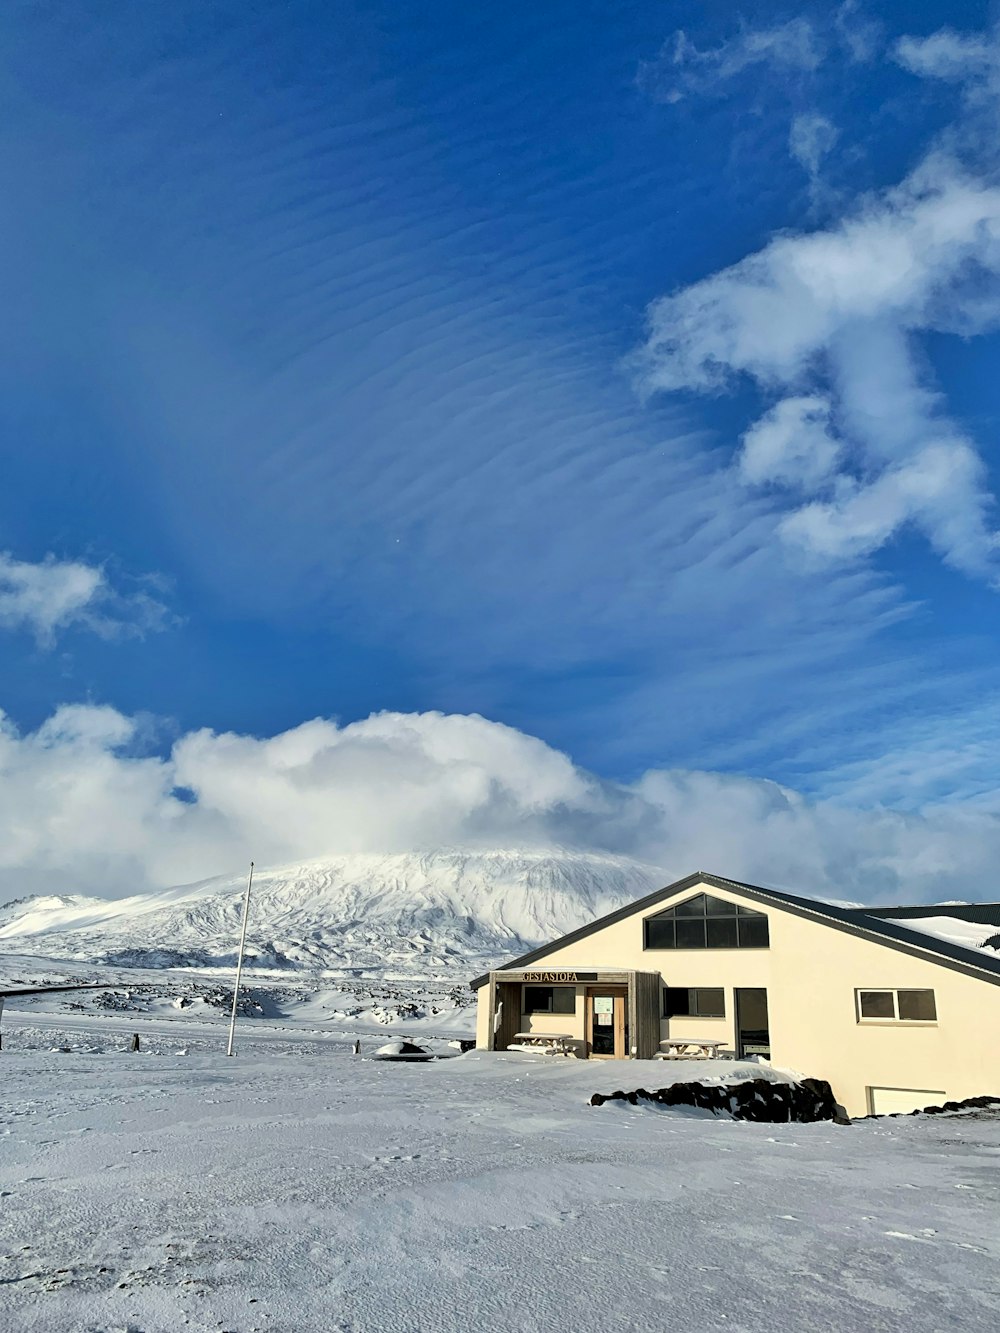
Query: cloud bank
[82, 812]
[50, 595]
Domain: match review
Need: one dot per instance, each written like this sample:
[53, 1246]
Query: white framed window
[896, 1006]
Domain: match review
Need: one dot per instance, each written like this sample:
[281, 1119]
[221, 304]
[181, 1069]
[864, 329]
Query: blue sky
[624, 374]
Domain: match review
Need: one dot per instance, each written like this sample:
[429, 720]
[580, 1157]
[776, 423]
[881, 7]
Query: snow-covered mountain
[406, 913]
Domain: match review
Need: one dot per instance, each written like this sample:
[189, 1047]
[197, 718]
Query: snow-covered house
[896, 1007]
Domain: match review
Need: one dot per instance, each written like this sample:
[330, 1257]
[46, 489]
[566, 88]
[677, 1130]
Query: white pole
[239, 961]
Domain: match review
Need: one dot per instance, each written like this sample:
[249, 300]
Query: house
[897, 1008]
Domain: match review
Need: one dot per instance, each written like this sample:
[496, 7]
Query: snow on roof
[967, 934]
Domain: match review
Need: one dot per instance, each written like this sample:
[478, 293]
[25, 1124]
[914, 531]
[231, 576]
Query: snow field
[198, 997]
[298, 1189]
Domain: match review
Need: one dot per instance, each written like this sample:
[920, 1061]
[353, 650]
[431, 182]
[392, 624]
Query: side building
[892, 1016]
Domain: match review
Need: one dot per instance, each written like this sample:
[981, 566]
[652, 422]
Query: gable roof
[854, 921]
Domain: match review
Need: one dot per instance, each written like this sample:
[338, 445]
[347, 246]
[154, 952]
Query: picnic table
[548, 1043]
[689, 1048]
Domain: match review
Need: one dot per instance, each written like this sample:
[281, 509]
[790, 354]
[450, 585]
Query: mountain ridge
[356, 912]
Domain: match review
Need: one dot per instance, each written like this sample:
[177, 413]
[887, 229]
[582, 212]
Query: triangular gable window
[703, 922]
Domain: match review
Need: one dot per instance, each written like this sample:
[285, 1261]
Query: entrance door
[606, 1030]
[752, 1034]
[507, 1015]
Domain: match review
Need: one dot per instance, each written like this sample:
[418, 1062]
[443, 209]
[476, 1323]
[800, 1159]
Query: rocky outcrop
[757, 1099]
[969, 1104]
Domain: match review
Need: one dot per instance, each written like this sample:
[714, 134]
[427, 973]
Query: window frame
[895, 992]
[668, 923]
[551, 1009]
[695, 1013]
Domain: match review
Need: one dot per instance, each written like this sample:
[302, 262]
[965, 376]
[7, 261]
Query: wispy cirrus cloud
[970, 59]
[857, 33]
[683, 70]
[49, 596]
[792, 50]
[811, 138]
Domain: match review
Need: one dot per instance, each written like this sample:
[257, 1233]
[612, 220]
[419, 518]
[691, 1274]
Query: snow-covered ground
[297, 1188]
[320, 1001]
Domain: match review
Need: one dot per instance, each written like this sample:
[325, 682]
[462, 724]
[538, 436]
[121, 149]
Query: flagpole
[239, 961]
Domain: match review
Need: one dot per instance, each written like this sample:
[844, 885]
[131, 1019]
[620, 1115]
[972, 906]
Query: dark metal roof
[986, 914]
[852, 920]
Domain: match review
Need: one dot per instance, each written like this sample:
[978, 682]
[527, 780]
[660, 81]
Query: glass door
[606, 1029]
[753, 1036]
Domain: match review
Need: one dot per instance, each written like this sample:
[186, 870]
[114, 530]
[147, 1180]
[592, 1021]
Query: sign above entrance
[559, 976]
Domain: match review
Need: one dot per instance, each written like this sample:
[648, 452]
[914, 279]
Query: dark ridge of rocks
[757, 1099]
[981, 1103]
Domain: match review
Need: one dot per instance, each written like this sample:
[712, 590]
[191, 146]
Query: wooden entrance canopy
[643, 1004]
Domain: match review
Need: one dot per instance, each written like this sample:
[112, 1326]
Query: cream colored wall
[483, 1018]
[814, 1026]
[811, 973]
[570, 1025]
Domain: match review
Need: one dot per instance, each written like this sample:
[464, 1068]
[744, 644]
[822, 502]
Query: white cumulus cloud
[82, 811]
[836, 313]
[791, 445]
[50, 595]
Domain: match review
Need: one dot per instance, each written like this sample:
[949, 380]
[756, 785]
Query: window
[549, 1000]
[876, 1004]
[702, 922]
[916, 1006]
[897, 1006]
[679, 1002]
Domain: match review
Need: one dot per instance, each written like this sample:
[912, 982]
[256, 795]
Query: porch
[597, 1013]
